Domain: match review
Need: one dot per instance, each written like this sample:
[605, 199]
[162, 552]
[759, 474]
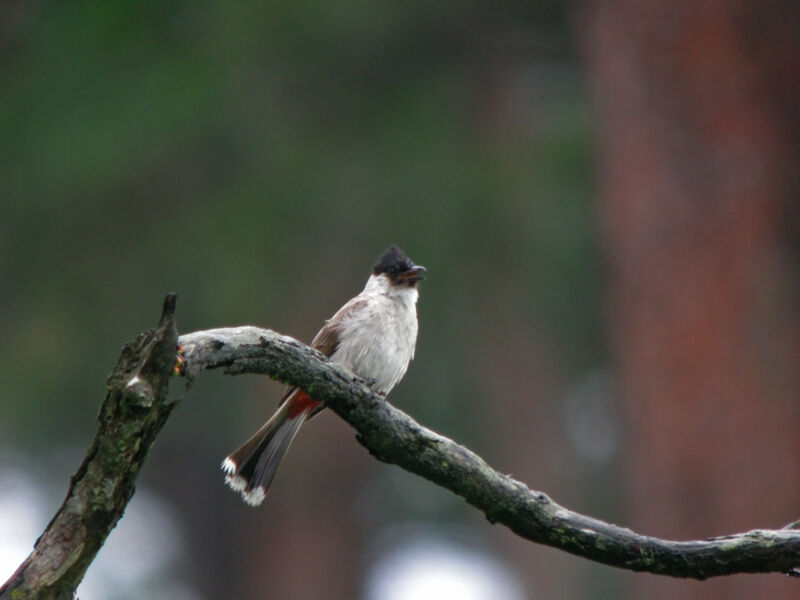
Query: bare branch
[135, 409]
[394, 437]
[132, 414]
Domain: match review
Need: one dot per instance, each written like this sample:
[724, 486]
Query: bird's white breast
[377, 340]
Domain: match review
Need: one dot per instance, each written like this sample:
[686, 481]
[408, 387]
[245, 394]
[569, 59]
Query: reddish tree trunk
[697, 155]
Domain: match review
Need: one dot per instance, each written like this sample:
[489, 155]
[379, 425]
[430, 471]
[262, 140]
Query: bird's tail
[250, 469]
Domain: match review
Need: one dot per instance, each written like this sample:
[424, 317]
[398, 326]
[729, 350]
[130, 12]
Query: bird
[373, 335]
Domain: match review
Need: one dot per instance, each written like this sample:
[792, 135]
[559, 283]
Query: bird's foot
[179, 362]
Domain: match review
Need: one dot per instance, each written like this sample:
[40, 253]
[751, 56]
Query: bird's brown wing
[327, 339]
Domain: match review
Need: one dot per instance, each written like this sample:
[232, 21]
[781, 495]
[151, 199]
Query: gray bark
[393, 437]
[136, 407]
[133, 412]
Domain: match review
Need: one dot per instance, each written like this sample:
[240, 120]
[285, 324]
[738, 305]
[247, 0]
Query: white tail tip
[238, 483]
[228, 466]
[254, 497]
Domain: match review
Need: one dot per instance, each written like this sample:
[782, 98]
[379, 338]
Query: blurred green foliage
[255, 158]
[246, 154]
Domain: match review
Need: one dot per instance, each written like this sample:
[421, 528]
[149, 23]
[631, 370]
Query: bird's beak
[413, 274]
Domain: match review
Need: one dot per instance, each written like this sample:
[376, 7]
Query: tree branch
[393, 437]
[132, 414]
[135, 409]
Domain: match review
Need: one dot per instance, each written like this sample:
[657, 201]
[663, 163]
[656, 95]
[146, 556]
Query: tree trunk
[697, 159]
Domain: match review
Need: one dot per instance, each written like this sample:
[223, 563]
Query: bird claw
[179, 362]
[371, 381]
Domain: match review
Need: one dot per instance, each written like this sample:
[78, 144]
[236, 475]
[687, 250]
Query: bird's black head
[398, 267]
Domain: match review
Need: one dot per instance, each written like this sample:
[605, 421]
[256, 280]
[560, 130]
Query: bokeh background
[604, 194]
